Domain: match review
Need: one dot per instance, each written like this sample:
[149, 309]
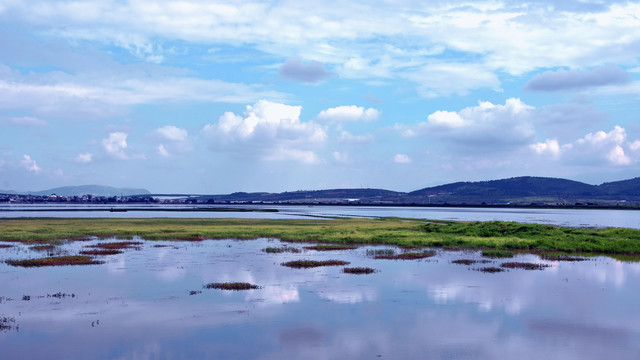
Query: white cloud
[103, 95]
[84, 158]
[348, 138]
[173, 133]
[604, 148]
[511, 37]
[550, 147]
[272, 131]
[162, 151]
[116, 144]
[340, 157]
[30, 164]
[485, 126]
[445, 79]
[402, 159]
[25, 121]
[351, 113]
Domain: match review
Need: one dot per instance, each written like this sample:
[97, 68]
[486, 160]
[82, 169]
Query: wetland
[360, 289]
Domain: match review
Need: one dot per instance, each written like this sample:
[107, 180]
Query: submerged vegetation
[488, 236]
[280, 250]
[358, 270]
[305, 264]
[230, 286]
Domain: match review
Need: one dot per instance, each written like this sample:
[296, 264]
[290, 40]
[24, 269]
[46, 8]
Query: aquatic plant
[118, 245]
[561, 257]
[524, 266]
[4, 246]
[44, 248]
[231, 286]
[55, 261]
[101, 252]
[380, 252]
[358, 270]
[6, 323]
[469, 261]
[331, 247]
[498, 254]
[194, 292]
[408, 255]
[279, 250]
[305, 264]
[490, 269]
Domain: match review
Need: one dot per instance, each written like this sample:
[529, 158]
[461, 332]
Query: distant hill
[95, 190]
[525, 186]
[624, 187]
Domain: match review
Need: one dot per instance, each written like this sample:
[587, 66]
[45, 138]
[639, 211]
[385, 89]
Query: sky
[212, 97]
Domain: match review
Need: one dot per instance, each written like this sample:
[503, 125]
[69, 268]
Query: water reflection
[149, 303]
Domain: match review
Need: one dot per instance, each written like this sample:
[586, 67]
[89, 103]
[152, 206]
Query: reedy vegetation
[410, 233]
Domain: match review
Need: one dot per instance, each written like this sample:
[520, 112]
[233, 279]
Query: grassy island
[493, 235]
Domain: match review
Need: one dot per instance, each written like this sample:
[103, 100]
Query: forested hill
[529, 188]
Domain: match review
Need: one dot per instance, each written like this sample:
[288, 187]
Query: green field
[411, 233]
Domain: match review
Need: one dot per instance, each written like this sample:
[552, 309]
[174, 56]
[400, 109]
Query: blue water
[137, 306]
[562, 217]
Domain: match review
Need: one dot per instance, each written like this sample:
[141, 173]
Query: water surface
[138, 305]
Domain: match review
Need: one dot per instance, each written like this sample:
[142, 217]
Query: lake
[149, 303]
[561, 217]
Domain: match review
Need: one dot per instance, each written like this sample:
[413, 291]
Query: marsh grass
[55, 261]
[524, 266]
[408, 255]
[469, 261]
[490, 269]
[280, 250]
[498, 254]
[101, 252]
[237, 286]
[306, 264]
[358, 270]
[492, 235]
[331, 247]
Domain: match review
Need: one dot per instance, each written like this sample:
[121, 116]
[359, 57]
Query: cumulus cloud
[487, 126]
[116, 144]
[606, 148]
[578, 79]
[340, 156]
[172, 133]
[30, 164]
[84, 158]
[271, 131]
[402, 159]
[312, 73]
[351, 113]
[550, 147]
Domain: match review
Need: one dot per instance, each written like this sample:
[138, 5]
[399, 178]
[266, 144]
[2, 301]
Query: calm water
[562, 217]
[138, 306]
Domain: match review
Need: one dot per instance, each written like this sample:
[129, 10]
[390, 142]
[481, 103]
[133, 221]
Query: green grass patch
[492, 235]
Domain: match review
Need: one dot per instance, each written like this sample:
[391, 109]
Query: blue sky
[216, 97]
